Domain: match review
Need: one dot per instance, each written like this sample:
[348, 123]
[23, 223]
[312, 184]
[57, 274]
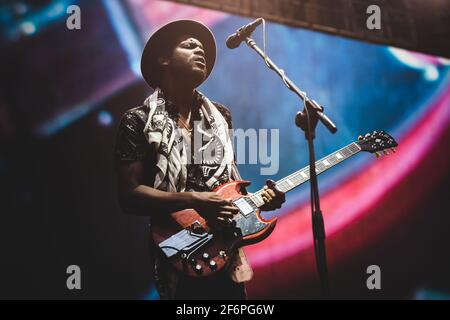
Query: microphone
[242, 33]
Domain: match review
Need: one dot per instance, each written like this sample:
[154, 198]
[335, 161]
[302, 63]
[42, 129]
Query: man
[160, 167]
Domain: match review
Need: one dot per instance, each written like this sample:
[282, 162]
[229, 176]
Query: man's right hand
[214, 208]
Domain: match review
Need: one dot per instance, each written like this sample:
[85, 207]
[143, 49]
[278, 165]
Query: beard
[190, 73]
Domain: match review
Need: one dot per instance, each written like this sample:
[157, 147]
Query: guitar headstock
[377, 142]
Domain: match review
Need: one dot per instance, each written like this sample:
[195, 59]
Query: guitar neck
[301, 176]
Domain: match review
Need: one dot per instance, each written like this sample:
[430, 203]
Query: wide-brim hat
[165, 36]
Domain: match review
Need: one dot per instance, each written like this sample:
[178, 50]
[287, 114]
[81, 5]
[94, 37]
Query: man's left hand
[272, 196]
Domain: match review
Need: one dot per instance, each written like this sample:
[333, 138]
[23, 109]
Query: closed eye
[191, 45]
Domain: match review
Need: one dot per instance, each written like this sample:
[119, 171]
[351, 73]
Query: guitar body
[199, 250]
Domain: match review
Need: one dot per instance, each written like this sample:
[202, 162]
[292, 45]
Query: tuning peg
[393, 150]
[385, 152]
[377, 155]
[367, 135]
[374, 133]
[360, 137]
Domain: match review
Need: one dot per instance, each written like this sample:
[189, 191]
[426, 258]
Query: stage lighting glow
[431, 73]
[152, 295]
[20, 8]
[425, 294]
[22, 19]
[416, 60]
[57, 10]
[64, 119]
[28, 27]
[127, 36]
[444, 61]
[105, 118]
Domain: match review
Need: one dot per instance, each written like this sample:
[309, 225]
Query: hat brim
[149, 62]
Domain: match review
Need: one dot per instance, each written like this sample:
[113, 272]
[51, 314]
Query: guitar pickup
[243, 205]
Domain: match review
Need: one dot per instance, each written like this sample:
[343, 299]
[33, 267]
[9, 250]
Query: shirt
[131, 144]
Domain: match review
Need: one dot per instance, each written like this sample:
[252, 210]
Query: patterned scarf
[172, 149]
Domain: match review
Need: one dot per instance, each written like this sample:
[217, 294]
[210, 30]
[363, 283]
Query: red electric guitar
[197, 249]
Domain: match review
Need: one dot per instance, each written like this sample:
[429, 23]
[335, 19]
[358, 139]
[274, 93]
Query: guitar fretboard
[301, 176]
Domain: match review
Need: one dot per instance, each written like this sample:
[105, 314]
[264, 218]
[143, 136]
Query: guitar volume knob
[205, 256]
[198, 268]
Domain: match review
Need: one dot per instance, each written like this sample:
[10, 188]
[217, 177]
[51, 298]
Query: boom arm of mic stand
[311, 104]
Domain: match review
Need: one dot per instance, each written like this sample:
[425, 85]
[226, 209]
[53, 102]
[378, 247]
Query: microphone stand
[307, 121]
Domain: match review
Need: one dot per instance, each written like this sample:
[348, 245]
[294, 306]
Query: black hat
[165, 36]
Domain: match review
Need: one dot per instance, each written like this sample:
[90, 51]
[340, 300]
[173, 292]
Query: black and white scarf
[172, 149]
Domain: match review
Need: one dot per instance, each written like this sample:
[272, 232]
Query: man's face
[188, 60]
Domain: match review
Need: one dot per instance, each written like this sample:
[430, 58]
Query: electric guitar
[198, 250]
